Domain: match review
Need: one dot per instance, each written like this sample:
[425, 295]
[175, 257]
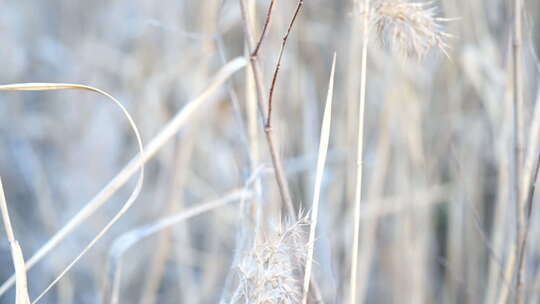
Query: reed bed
[307, 151]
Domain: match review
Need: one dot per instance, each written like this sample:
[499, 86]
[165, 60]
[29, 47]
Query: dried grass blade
[21, 293]
[323, 150]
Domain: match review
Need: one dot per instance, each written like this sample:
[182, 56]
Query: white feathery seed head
[411, 29]
[271, 270]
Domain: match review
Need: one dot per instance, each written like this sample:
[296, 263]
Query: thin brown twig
[278, 65]
[265, 28]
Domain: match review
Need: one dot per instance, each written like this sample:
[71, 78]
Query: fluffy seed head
[271, 271]
[410, 28]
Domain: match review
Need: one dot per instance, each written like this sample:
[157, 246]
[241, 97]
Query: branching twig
[255, 65]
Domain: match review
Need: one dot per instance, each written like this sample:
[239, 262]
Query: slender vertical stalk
[253, 129]
[359, 158]
[518, 138]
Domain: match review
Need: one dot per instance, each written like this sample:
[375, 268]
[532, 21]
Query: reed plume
[409, 28]
[271, 270]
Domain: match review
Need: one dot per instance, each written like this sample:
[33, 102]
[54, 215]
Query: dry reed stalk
[166, 133]
[373, 211]
[520, 201]
[352, 80]
[412, 29]
[21, 293]
[255, 214]
[359, 157]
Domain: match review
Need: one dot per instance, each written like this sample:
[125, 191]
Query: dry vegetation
[238, 163]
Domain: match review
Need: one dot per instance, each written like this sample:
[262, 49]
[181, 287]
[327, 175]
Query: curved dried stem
[134, 194]
[134, 165]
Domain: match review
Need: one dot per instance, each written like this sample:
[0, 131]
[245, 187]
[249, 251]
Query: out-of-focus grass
[437, 220]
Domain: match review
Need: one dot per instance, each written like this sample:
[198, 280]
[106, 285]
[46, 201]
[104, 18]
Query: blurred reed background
[438, 222]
